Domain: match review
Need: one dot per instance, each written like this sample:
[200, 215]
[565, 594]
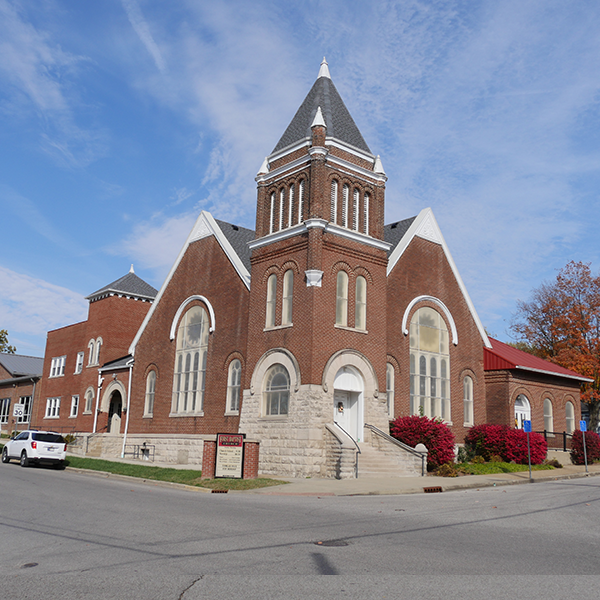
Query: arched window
[91, 349]
[234, 386]
[288, 293]
[190, 362]
[570, 414]
[366, 214]
[291, 207]
[345, 200]
[271, 299]
[89, 400]
[341, 305]
[150, 388]
[522, 411]
[355, 212]
[300, 201]
[468, 400]
[277, 391]
[334, 200]
[281, 207]
[360, 308]
[429, 353]
[548, 415]
[389, 384]
[97, 353]
[272, 216]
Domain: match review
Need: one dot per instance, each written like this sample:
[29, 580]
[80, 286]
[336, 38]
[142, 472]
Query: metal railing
[554, 438]
[400, 444]
[140, 451]
[357, 449]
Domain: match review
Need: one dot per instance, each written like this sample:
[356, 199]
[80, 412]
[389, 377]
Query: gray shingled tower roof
[340, 124]
[128, 285]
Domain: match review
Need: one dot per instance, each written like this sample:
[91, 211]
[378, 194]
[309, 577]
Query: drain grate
[434, 489]
[219, 491]
[332, 543]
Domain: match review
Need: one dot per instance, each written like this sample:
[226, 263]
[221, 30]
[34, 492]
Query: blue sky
[122, 119]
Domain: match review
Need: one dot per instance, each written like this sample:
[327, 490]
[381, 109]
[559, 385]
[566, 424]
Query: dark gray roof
[238, 237]
[18, 365]
[340, 124]
[394, 232]
[130, 285]
[119, 363]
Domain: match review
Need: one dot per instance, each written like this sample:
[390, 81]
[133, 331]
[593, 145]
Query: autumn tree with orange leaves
[561, 323]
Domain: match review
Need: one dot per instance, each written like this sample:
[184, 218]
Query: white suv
[36, 447]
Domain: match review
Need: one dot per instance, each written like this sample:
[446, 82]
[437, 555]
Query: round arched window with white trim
[522, 411]
[277, 391]
[429, 365]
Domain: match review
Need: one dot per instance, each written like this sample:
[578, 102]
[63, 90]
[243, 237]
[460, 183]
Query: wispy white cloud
[36, 74]
[30, 305]
[141, 27]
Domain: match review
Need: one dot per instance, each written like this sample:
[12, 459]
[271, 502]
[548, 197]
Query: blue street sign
[527, 426]
[582, 426]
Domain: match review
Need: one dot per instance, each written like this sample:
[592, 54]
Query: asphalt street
[77, 536]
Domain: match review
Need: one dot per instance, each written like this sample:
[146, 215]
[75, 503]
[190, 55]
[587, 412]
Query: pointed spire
[264, 168]
[324, 70]
[319, 120]
[131, 269]
[378, 166]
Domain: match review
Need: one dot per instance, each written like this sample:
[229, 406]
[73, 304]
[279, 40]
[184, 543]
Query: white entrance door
[345, 412]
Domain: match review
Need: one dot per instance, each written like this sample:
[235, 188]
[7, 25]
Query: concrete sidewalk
[368, 486]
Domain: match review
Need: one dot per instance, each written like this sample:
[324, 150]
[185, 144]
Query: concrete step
[372, 463]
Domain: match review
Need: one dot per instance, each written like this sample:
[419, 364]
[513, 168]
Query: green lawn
[491, 468]
[186, 476]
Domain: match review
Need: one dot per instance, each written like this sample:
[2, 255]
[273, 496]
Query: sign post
[230, 455]
[527, 429]
[583, 429]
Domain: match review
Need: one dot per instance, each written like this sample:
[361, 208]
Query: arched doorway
[114, 413]
[348, 388]
[522, 411]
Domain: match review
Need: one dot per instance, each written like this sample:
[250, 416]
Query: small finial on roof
[318, 120]
[264, 168]
[131, 269]
[324, 70]
[378, 166]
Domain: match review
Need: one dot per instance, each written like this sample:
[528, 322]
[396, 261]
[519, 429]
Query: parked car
[31, 447]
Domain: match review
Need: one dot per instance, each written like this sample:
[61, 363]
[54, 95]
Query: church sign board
[230, 455]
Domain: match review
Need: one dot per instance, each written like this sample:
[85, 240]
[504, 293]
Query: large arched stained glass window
[190, 362]
[277, 391]
[429, 365]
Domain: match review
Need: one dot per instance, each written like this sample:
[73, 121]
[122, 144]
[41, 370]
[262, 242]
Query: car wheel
[5, 456]
[24, 459]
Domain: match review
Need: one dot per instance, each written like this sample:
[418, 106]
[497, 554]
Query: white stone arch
[182, 308]
[355, 359]
[114, 386]
[440, 305]
[273, 357]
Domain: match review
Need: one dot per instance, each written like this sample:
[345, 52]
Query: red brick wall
[424, 270]
[204, 270]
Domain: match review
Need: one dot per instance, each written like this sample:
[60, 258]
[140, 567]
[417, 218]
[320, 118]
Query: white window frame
[345, 201]
[356, 212]
[366, 211]
[570, 416]
[468, 401]
[277, 398]
[548, 416]
[52, 408]
[334, 201]
[291, 206]
[341, 299]
[390, 380]
[4, 410]
[360, 303]
[89, 401]
[150, 394]
[79, 362]
[57, 368]
[271, 301]
[288, 298]
[99, 343]
[91, 351]
[74, 406]
[26, 401]
[300, 200]
[234, 387]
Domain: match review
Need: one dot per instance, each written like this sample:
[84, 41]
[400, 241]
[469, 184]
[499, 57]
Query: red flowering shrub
[488, 440]
[592, 446]
[436, 436]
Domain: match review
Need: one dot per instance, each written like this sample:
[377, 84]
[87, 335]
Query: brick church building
[313, 331]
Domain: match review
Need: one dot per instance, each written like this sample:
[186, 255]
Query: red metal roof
[502, 356]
